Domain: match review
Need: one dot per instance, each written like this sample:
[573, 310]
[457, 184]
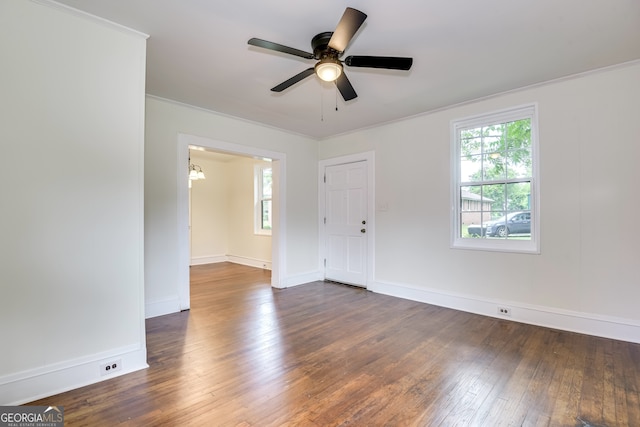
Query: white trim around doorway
[278, 237]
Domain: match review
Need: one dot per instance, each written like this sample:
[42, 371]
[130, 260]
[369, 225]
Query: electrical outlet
[111, 367]
[504, 311]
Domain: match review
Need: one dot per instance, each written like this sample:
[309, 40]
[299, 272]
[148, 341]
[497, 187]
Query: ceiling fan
[328, 47]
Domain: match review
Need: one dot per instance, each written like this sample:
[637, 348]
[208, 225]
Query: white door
[346, 223]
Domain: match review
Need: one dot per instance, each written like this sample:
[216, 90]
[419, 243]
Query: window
[263, 203]
[495, 191]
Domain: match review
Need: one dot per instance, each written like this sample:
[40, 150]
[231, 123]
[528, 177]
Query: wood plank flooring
[324, 354]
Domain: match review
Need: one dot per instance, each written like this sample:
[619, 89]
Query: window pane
[266, 182]
[518, 134]
[494, 193]
[493, 144]
[263, 193]
[519, 196]
[266, 214]
[497, 227]
[494, 167]
[475, 211]
[517, 226]
[519, 163]
[470, 168]
[470, 199]
[471, 224]
[470, 141]
[493, 130]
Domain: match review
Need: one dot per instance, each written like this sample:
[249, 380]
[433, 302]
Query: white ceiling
[462, 49]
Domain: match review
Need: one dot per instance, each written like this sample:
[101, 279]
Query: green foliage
[495, 154]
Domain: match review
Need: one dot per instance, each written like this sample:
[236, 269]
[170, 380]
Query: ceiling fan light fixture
[328, 69]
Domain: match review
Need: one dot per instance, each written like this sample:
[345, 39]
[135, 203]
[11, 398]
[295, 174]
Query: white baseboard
[301, 279]
[584, 323]
[200, 260]
[236, 259]
[162, 307]
[251, 262]
[34, 384]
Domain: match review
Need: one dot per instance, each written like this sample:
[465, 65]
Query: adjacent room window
[495, 192]
[263, 202]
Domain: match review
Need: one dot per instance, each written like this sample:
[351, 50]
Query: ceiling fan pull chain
[336, 98]
[321, 105]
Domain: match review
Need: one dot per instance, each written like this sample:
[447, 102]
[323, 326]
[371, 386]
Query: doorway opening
[230, 209]
[213, 147]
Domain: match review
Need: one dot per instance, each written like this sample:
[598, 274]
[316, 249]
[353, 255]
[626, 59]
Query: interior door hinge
[325, 220]
[325, 178]
[325, 262]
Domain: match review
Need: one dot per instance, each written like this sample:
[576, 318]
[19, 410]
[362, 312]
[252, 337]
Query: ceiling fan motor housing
[320, 45]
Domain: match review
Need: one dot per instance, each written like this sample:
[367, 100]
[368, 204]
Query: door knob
[362, 230]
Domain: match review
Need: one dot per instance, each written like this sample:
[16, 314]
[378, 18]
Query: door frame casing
[369, 158]
[278, 233]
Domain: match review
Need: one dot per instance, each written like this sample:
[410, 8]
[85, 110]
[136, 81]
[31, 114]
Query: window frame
[259, 199]
[532, 246]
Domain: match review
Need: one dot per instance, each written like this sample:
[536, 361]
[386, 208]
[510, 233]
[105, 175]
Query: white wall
[586, 277]
[71, 179]
[244, 245]
[164, 121]
[209, 211]
[222, 212]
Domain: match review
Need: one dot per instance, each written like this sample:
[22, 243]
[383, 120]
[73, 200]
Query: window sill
[497, 245]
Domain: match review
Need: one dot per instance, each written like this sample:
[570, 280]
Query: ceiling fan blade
[279, 48]
[389, 62]
[349, 24]
[344, 86]
[293, 80]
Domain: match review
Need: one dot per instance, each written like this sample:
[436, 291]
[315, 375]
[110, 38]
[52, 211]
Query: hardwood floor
[325, 354]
